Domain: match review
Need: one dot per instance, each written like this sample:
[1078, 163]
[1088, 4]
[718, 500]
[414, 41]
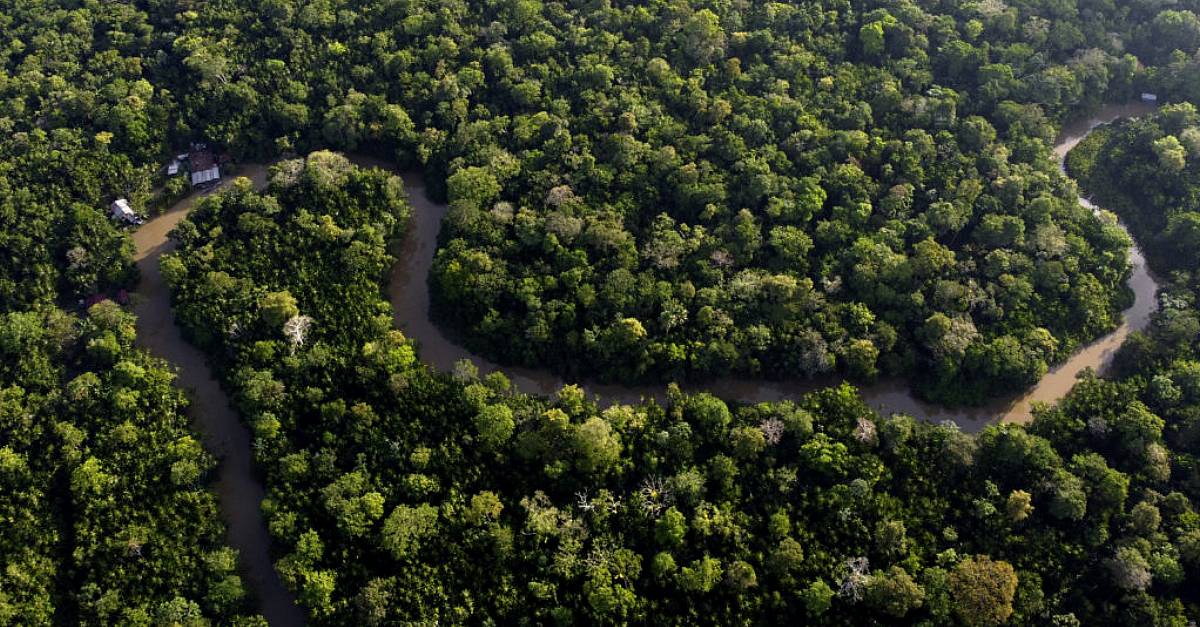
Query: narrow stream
[409, 293]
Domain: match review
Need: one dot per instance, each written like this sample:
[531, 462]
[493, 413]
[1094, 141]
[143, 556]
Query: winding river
[225, 436]
[238, 488]
[409, 294]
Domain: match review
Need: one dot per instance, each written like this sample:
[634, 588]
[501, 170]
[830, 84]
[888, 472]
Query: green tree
[277, 308]
[983, 590]
[494, 425]
[406, 528]
[894, 592]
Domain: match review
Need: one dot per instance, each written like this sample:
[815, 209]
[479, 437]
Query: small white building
[203, 165]
[122, 212]
[206, 176]
[1148, 97]
[175, 166]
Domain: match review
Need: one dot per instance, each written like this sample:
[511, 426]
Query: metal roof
[122, 211]
[205, 176]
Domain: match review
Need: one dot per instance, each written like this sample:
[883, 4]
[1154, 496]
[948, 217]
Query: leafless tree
[583, 502]
[503, 212]
[559, 195]
[813, 354]
[77, 257]
[864, 431]
[991, 8]
[563, 226]
[296, 330]
[466, 370]
[655, 495]
[721, 258]
[1129, 569]
[772, 430]
[855, 573]
[286, 174]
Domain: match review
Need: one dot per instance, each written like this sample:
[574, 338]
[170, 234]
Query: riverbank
[226, 437]
[408, 292]
[223, 434]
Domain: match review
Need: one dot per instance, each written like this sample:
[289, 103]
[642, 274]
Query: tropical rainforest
[638, 192]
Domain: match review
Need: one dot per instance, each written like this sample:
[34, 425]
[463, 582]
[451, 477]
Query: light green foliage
[983, 590]
[1171, 154]
[353, 504]
[470, 188]
[670, 529]
[1018, 506]
[818, 598]
[485, 507]
[596, 446]
[405, 529]
[726, 505]
[706, 226]
[700, 576]
[894, 592]
[495, 425]
[787, 558]
[278, 308]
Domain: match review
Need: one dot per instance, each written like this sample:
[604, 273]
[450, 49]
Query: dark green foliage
[401, 494]
[638, 191]
[1159, 369]
[322, 210]
[654, 192]
[1147, 170]
[108, 518]
[787, 202]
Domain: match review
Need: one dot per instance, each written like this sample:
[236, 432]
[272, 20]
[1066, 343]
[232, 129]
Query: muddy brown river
[409, 294]
[238, 489]
[226, 437]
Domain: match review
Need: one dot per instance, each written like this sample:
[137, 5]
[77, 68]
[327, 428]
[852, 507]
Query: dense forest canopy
[638, 191]
[405, 495]
[1148, 171]
[671, 190]
[107, 517]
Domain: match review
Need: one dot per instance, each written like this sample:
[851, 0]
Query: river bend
[239, 492]
[225, 436]
[409, 294]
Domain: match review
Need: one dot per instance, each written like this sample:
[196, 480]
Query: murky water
[224, 435]
[409, 294]
[238, 488]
